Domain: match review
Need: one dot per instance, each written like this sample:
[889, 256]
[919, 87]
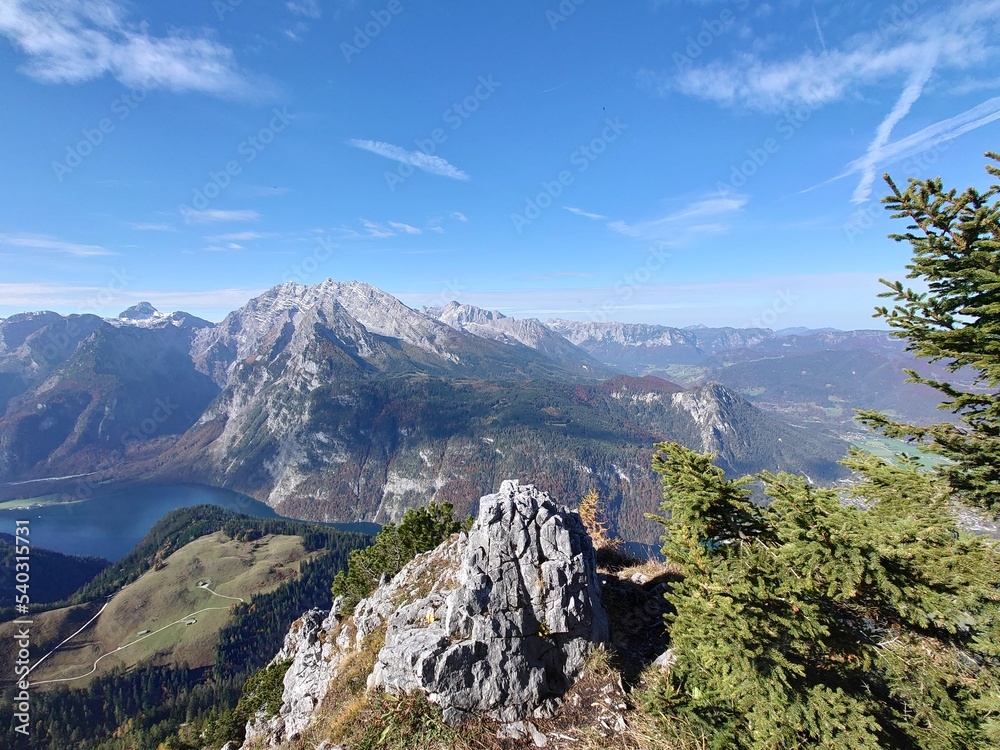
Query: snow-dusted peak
[140, 311]
[144, 315]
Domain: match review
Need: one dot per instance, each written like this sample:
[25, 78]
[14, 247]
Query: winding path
[125, 646]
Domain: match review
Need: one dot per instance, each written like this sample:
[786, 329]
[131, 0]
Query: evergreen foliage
[152, 706]
[816, 623]
[421, 530]
[262, 692]
[956, 251]
[54, 575]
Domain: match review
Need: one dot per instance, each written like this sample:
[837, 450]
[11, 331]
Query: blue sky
[666, 161]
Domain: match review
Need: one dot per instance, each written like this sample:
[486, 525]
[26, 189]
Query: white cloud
[376, 230]
[585, 214]
[46, 243]
[211, 215]
[819, 29]
[78, 40]
[459, 215]
[930, 136]
[960, 38]
[420, 160]
[379, 231]
[699, 217]
[407, 228]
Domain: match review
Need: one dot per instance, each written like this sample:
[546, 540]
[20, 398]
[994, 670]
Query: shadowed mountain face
[81, 393]
[338, 402]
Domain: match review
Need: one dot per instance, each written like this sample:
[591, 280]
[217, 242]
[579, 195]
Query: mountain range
[337, 402]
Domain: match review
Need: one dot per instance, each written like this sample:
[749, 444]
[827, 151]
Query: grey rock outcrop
[314, 660]
[496, 622]
[514, 632]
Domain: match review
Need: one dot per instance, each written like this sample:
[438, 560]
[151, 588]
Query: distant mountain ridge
[529, 332]
[338, 402]
[816, 376]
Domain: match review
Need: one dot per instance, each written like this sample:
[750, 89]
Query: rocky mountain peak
[456, 315]
[140, 311]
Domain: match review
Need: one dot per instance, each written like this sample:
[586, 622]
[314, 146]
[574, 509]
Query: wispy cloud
[819, 29]
[406, 228]
[46, 243]
[214, 215]
[585, 214]
[307, 8]
[960, 38]
[78, 40]
[150, 227]
[928, 137]
[369, 230]
[420, 160]
[376, 230]
[701, 216]
[868, 162]
[238, 236]
[459, 215]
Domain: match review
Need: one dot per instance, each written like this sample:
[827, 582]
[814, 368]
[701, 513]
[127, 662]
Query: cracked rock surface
[513, 633]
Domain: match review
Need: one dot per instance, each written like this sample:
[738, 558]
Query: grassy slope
[160, 597]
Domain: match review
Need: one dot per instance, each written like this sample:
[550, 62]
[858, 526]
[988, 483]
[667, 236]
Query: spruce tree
[865, 618]
[815, 622]
[955, 239]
